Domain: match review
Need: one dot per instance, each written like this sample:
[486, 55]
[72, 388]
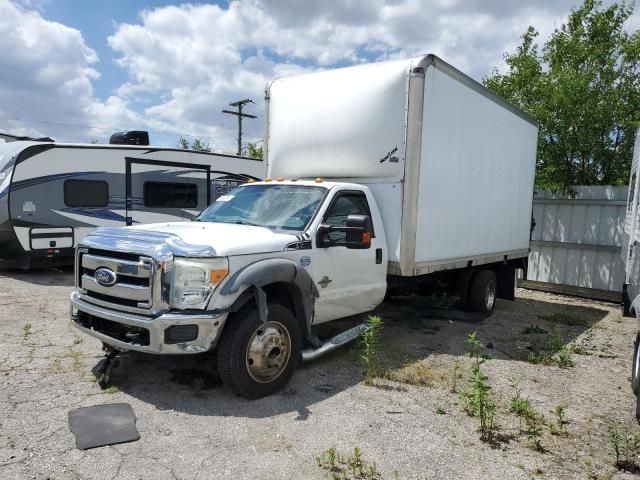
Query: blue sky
[79, 70]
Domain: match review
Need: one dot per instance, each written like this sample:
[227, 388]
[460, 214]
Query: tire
[635, 366]
[484, 289]
[463, 280]
[256, 359]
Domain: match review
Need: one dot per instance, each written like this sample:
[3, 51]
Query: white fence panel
[577, 240]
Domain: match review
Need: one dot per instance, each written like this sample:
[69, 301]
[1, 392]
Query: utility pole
[239, 104]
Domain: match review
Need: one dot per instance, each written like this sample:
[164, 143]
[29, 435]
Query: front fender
[252, 277]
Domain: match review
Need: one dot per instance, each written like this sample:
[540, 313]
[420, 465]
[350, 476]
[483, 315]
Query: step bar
[334, 343]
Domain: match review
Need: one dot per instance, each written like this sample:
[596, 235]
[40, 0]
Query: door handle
[378, 256]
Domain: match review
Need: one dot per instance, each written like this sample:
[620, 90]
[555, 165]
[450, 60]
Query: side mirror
[358, 232]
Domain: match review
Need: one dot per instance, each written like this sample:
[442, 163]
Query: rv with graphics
[396, 177]
[53, 194]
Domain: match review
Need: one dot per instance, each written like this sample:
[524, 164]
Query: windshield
[282, 207]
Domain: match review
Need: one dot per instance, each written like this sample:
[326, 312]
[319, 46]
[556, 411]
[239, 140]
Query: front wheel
[256, 358]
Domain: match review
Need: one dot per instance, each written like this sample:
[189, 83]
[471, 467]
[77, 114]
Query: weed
[625, 446]
[351, 467]
[524, 410]
[478, 399]
[558, 428]
[77, 341]
[441, 411]
[566, 318]
[564, 358]
[606, 346]
[531, 329]
[584, 346]
[456, 375]
[26, 329]
[370, 344]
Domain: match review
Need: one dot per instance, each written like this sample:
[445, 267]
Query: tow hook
[104, 368]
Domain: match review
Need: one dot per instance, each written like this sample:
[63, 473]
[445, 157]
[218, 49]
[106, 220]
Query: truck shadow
[411, 336]
[54, 276]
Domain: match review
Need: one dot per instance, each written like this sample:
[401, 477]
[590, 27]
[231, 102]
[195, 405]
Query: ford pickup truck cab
[279, 256]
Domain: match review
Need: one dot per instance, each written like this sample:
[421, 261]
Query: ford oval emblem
[105, 277]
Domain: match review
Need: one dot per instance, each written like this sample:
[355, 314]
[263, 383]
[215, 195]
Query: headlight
[194, 279]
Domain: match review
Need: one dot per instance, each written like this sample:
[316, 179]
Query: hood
[225, 238]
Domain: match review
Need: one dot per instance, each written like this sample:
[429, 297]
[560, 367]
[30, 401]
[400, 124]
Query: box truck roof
[353, 122]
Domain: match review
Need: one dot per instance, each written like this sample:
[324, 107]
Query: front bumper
[86, 317]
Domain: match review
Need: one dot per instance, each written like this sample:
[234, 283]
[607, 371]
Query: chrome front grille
[134, 280]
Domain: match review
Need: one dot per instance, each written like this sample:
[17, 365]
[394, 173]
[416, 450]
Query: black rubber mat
[103, 425]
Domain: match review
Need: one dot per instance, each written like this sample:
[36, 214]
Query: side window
[86, 193]
[170, 195]
[345, 205]
[632, 190]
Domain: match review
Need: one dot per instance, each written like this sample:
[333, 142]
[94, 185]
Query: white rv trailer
[53, 194]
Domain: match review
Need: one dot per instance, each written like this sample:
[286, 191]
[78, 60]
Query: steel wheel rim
[490, 295]
[268, 352]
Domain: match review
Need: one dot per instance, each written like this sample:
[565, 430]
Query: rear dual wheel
[484, 288]
[477, 290]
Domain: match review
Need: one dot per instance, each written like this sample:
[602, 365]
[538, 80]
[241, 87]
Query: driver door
[349, 281]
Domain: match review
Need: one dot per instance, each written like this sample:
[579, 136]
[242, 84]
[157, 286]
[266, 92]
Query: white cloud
[197, 58]
[186, 63]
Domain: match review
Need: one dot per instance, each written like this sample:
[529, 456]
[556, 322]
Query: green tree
[583, 88]
[254, 151]
[197, 144]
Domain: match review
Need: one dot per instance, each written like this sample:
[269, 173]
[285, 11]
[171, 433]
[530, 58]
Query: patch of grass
[584, 346]
[625, 446]
[76, 356]
[418, 373]
[370, 348]
[565, 317]
[348, 467]
[555, 351]
[605, 348]
[111, 389]
[477, 399]
[533, 329]
[26, 330]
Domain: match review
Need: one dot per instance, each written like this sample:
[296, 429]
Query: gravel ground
[192, 427]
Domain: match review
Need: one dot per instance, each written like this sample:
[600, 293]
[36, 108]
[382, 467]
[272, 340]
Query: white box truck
[398, 176]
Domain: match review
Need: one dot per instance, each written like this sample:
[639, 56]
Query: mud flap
[261, 302]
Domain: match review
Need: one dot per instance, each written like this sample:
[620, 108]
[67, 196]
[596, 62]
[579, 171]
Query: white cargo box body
[451, 164]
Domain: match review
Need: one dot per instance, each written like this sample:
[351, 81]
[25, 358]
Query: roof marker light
[268, 179]
[280, 179]
[318, 179]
